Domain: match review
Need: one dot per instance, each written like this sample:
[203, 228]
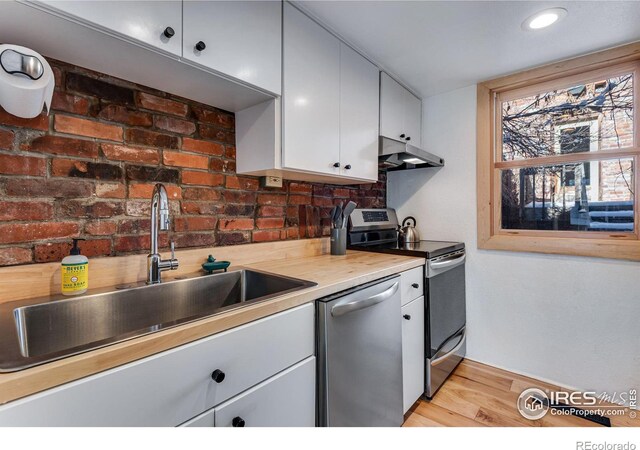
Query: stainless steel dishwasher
[360, 356]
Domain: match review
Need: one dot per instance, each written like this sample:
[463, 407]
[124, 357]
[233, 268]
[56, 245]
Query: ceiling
[439, 46]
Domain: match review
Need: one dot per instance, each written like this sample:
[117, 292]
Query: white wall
[570, 320]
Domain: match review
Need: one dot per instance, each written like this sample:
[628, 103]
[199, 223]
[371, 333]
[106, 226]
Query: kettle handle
[409, 218]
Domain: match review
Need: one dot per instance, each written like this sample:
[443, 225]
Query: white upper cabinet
[413, 119]
[154, 23]
[328, 115]
[311, 95]
[359, 102]
[242, 39]
[392, 97]
[400, 112]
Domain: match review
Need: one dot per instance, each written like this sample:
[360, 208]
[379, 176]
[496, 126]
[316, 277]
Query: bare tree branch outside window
[583, 195]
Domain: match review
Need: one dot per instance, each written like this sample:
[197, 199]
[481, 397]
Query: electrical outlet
[269, 181]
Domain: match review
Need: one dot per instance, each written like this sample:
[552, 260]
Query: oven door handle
[441, 358]
[449, 263]
[341, 309]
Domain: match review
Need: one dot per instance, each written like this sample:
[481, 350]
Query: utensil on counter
[347, 212]
[339, 229]
[336, 218]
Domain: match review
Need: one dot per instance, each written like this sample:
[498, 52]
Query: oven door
[446, 308]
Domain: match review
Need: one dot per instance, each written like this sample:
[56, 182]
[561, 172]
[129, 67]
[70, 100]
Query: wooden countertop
[332, 273]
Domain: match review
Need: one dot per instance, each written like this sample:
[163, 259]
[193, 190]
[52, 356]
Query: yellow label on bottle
[75, 277]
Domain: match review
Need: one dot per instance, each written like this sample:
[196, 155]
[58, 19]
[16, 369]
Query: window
[558, 153]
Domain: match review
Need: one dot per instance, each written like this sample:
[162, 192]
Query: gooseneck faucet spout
[159, 222]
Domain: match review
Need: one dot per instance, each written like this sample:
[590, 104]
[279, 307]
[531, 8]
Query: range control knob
[200, 46]
[218, 376]
[415, 285]
[407, 317]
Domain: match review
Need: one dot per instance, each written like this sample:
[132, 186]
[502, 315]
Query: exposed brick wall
[88, 170]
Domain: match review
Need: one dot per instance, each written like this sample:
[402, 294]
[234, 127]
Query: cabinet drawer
[411, 284]
[413, 356]
[285, 400]
[173, 386]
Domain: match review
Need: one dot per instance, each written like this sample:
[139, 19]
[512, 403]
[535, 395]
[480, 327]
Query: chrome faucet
[159, 221]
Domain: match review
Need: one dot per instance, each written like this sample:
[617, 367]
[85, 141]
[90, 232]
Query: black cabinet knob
[407, 317]
[200, 46]
[237, 422]
[415, 285]
[348, 167]
[218, 376]
[169, 33]
[336, 164]
[402, 135]
[408, 138]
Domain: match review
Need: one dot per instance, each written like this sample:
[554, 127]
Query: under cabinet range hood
[398, 155]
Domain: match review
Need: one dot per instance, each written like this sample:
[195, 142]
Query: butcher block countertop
[331, 273]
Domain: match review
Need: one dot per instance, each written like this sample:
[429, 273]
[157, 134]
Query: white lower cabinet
[285, 400]
[413, 362]
[412, 284]
[174, 386]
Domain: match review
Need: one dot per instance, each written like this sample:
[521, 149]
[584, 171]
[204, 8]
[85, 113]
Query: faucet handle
[173, 250]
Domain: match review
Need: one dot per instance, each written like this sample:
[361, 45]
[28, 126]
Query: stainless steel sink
[35, 332]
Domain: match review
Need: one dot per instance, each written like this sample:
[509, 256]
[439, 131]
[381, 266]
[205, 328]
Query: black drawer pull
[169, 33]
[407, 317]
[415, 285]
[218, 376]
[237, 422]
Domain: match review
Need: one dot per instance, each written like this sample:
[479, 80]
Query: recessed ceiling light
[543, 19]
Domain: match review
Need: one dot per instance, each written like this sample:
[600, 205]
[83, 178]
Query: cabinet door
[413, 356]
[392, 107]
[242, 39]
[144, 21]
[311, 95]
[413, 118]
[359, 115]
[285, 400]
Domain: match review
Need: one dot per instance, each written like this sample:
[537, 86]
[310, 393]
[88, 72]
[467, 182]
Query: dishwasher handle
[340, 308]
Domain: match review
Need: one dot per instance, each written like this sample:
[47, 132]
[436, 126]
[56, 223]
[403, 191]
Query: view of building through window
[578, 193]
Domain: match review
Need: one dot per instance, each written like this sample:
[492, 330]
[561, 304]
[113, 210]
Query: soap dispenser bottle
[75, 272]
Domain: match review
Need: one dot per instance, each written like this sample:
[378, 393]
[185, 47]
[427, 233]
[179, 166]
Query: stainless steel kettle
[408, 231]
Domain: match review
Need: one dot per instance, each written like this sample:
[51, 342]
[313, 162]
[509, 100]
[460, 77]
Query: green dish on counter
[212, 265]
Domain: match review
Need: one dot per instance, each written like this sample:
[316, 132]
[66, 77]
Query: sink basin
[43, 331]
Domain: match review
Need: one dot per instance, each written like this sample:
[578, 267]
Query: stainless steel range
[376, 230]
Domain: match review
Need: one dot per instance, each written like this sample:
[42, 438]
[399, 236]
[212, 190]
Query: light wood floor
[477, 395]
